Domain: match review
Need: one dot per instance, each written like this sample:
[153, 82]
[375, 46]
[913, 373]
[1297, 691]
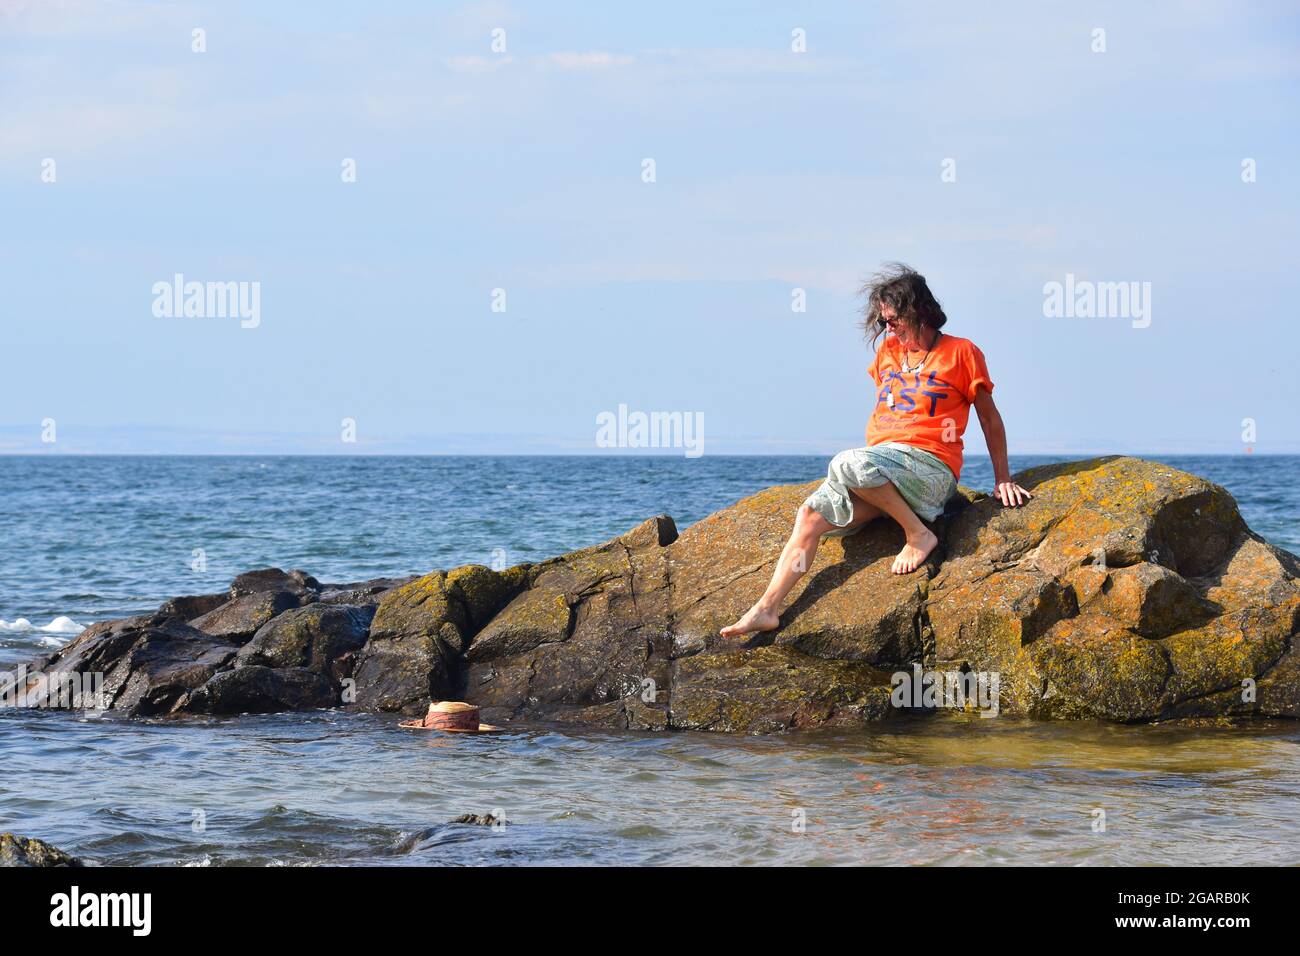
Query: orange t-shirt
[928, 408]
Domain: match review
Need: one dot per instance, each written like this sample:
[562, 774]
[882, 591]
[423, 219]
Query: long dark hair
[903, 289]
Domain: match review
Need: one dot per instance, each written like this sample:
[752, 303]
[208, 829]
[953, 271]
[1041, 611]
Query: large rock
[1125, 590]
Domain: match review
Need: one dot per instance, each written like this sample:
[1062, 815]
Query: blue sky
[522, 170]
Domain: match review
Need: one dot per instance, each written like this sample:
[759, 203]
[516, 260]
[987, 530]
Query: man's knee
[810, 520]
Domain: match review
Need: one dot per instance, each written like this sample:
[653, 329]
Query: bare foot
[757, 618]
[915, 552]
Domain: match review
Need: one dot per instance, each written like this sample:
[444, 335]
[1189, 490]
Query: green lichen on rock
[1097, 669]
[421, 630]
[482, 591]
[773, 688]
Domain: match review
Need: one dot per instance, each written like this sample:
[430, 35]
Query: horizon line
[561, 454]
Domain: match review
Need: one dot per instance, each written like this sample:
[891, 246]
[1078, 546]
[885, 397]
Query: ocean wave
[60, 625]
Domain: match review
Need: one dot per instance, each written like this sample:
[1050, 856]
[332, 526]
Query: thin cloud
[587, 61]
[477, 64]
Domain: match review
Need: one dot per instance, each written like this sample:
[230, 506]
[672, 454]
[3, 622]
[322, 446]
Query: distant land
[72, 439]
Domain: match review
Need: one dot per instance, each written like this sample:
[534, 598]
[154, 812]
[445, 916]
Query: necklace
[921, 364]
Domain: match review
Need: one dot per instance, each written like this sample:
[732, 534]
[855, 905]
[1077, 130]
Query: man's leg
[920, 539]
[796, 558]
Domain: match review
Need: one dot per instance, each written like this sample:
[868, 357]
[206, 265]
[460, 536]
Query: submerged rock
[27, 851]
[480, 820]
[1125, 590]
[433, 836]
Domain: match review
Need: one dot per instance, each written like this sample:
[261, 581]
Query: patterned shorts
[923, 480]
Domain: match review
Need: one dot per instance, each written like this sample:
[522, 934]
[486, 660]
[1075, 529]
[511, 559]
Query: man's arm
[995, 437]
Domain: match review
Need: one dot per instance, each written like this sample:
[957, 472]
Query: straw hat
[453, 716]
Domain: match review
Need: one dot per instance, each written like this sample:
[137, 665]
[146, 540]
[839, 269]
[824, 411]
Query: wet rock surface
[239, 618]
[1125, 590]
[255, 689]
[324, 638]
[142, 666]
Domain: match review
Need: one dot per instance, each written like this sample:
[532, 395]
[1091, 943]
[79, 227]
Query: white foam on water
[60, 625]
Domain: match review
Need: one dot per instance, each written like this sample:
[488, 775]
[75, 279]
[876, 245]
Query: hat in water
[453, 716]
